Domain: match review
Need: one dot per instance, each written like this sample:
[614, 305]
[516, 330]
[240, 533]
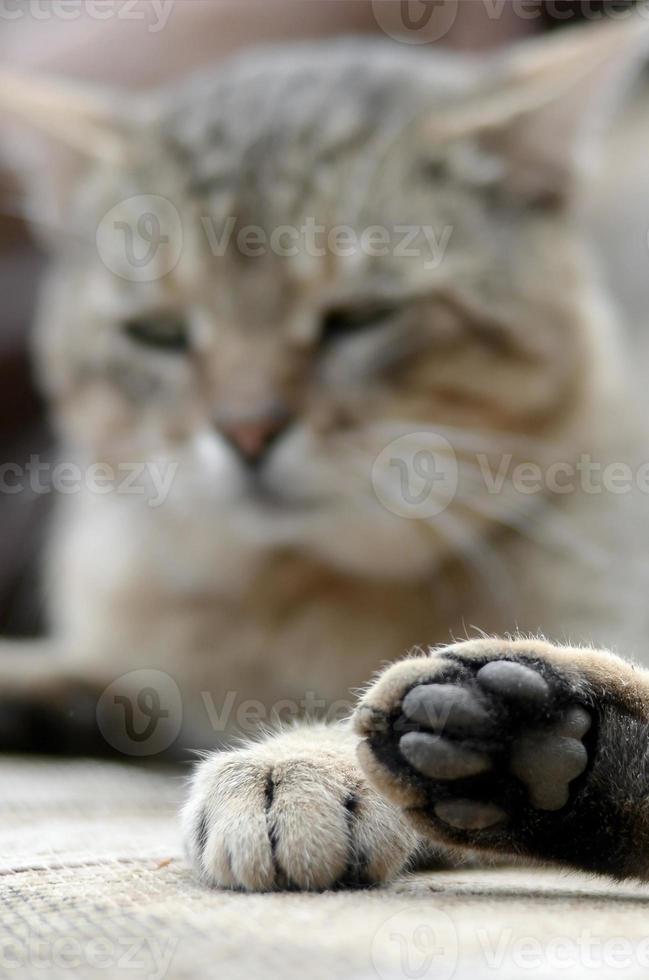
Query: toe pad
[447, 707]
[514, 682]
[470, 814]
[440, 758]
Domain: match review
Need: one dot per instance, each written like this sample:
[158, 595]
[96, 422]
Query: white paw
[294, 811]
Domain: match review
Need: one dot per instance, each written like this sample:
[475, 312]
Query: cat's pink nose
[252, 437]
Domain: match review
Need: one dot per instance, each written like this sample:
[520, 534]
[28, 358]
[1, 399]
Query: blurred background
[141, 44]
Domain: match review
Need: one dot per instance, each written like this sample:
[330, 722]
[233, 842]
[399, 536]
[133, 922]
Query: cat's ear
[53, 129]
[544, 105]
[88, 120]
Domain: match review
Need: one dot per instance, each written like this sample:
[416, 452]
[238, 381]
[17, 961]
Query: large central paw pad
[475, 743]
[548, 759]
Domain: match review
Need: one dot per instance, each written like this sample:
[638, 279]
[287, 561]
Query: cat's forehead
[298, 172]
[271, 128]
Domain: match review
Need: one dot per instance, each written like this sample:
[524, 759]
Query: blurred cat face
[325, 300]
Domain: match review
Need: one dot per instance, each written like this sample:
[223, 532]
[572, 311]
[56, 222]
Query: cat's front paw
[292, 812]
[510, 746]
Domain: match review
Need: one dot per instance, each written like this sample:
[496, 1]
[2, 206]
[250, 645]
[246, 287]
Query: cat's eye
[162, 331]
[339, 323]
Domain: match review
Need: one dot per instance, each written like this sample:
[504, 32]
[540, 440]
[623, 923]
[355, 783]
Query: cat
[453, 329]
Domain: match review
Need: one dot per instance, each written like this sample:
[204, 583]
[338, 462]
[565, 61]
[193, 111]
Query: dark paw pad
[513, 681]
[441, 758]
[470, 814]
[492, 744]
[449, 708]
[547, 759]
[516, 748]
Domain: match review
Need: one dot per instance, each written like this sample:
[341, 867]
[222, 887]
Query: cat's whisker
[540, 523]
[521, 448]
[533, 517]
[475, 552]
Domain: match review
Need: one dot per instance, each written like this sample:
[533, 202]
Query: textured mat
[93, 884]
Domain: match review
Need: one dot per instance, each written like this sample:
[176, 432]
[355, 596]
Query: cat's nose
[252, 436]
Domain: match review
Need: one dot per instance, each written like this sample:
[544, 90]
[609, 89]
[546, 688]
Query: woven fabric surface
[93, 884]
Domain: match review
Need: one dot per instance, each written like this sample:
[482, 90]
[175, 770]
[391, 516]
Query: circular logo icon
[416, 476]
[140, 713]
[141, 238]
[416, 944]
[415, 21]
